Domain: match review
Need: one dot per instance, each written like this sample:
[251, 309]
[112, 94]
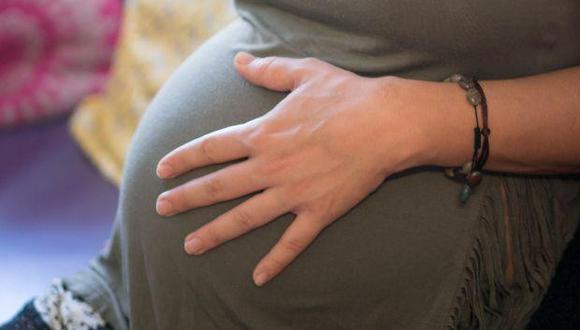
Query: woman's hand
[319, 152]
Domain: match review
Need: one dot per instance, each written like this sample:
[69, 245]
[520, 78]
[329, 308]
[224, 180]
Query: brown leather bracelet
[470, 172]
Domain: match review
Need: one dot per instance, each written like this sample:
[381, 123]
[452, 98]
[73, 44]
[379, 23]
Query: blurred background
[75, 78]
[55, 208]
[55, 211]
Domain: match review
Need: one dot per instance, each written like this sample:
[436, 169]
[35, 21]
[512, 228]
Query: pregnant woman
[303, 187]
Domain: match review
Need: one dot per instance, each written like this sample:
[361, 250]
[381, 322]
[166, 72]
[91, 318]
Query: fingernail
[244, 58]
[193, 245]
[164, 207]
[164, 171]
[261, 279]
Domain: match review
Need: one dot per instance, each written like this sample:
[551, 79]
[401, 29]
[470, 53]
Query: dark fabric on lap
[26, 319]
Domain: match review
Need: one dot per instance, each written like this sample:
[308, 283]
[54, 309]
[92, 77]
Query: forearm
[534, 122]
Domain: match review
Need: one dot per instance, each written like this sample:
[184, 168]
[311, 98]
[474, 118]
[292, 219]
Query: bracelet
[470, 172]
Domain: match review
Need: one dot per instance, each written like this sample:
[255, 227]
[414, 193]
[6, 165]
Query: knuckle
[244, 220]
[305, 66]
[260, 137]
[294, 245]
[316, 208]
[273, 166]
[308, 64]
[214, 187]
[275, 264]
[318, 213]
[266, 65]
[298, 191]
[208, 147]
[283, 200]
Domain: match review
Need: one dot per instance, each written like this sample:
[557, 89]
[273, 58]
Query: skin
[337, 136]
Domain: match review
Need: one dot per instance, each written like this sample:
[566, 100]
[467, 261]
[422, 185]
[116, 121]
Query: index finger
[220, 146]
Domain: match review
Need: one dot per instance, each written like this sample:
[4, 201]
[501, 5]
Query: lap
[399, 259]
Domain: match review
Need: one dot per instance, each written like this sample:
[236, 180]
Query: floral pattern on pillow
[52, 54]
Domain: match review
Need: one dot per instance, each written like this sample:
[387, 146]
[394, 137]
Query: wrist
[449, 125]
[442, 121]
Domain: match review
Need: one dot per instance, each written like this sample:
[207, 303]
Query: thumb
[273, 72]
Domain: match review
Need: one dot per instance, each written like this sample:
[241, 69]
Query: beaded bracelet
[470, 172]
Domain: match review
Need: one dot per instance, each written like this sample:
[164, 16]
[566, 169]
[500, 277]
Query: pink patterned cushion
[52, 53]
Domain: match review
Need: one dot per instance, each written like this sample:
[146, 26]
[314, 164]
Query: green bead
[473, 96]
[464, 193]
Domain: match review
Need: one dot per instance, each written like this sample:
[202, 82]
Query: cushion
[52, 54]
[156, 37]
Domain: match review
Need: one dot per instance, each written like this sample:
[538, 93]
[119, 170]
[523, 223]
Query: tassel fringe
[520, 236]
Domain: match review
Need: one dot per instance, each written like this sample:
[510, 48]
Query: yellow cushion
[156, 37]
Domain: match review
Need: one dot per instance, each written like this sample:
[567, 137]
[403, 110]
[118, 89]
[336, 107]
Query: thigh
[396, 260]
